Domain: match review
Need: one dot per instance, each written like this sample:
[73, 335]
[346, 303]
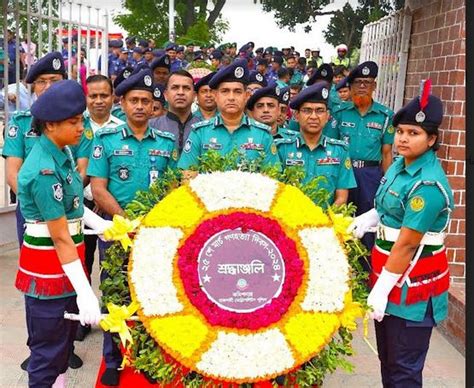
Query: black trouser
[90, 241]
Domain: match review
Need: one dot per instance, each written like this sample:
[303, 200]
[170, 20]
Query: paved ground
[445, 366]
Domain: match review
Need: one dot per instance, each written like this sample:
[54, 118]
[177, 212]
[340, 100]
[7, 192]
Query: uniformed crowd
[78, 153]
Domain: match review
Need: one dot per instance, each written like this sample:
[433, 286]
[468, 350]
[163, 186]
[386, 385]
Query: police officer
[179, 93]
[51, 269]
[297, 76]
[256, 81]
[284, 109]
[231, 129]
[276, 64]
[207, 107]
[318, 154]
[115, 47]
[160, 67]
[264, 106]
[215, 58]
[124, 160]
[159, 102]
[183, 64]
[410, 273]
[117, 109]
[121, 63]
[343, 90]
[137, 57]
[367, 127]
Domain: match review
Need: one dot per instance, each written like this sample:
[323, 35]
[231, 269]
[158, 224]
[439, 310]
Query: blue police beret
[259, 50]
[143, 80]
[123, 75]
[124, 50]
[319, 92]
[411, 113]
[171, 46]
[163, 61]
[261, 61]
[138, 50]
[285, 95]
[65, 40]
[143, 43]
[216, 54]
[64, 99]
[367, 69]
[237, 71]
[159, 52]
[198, 55]
[130, 40]
[158, 93]
[256, 78]
[180, 49]
[278, 59]
[342, 84]
[278, 53]
[140, 67]
[269, 50]
[147, 50]
[323, 73]
[116, 43]
[272, 91]
[244, 48]
[203, 81]
[51, 63]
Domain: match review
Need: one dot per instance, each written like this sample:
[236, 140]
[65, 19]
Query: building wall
[437, 51]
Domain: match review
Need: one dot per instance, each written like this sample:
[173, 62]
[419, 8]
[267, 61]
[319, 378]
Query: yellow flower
[116, 320]
[352, 311]
[340, 224]
[120, 229]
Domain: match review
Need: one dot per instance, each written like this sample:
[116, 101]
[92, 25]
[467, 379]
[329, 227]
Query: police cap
[367, 69]
[256, 78]
[64, 99]
[285, 95]
[163, 61]
[143, 80]
[342, 84]
[319, 92]
[235, 72]
[272, 91]
[203, 81]
[323, 73]
[216, 54]
[158, 93]
[51, 63]
[116, 43]
[123, 75]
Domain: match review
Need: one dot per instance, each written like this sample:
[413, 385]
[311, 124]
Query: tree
[193, 20]
[289, 13]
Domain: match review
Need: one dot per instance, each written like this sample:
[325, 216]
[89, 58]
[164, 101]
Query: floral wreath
[297, 320]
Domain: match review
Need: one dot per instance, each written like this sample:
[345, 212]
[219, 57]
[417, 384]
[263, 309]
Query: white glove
[95, 222]
[89, 311]
[378, 297]
[363, 223]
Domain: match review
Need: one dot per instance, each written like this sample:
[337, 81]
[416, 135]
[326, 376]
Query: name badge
[348, 124]
[294, 162]
[374, 125]
[212, 146]
[123, 152]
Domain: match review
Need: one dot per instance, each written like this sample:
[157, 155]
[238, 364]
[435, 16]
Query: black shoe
[24, 364]
[82, 332]
[280, 380]
[75, 361]
[110, 377]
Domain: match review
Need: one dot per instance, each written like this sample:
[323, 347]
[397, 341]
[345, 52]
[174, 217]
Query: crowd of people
[88, 148]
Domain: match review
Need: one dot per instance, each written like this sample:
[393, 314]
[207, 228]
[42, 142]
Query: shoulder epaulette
[107, 131]
[26, 112]
[201, 124]
[336, 141]
[164, 134]
[341, 106]
[47, 171]
[285, 140]
[260, 125]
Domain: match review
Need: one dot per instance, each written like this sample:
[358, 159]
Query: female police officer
[410, 274]
[51, 259]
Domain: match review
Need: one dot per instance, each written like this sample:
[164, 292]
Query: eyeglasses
[317, 111]
[363, 81]
[43, 82]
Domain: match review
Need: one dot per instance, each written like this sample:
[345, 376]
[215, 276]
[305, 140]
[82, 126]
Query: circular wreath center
[240, 270]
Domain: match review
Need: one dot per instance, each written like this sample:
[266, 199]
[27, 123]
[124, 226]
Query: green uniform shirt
[417, 197]
[199, 115]
[334, 99]
[297, 78]
[130, 165]
[83, 149]
[119, 113]
[330, 159]
[20, 137]
[250, 138]
[364, 134]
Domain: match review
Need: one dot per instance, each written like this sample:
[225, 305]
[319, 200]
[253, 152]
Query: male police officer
[206, 102]
[179, 92]
[318, 154]
[159, 102]
[256, 81]
[124, 160]
[367, 127]
[231, 129]
[161, 69]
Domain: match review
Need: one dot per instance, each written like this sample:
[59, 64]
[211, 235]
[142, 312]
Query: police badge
[56, 64]
[123, 173]
[97, 153]
[239, 72]
[12, 131]
[58, 192]
[187, 146]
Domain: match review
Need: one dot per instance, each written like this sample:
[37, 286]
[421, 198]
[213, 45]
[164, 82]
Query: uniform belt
[391, 234]
[40, 229]
[364, 163]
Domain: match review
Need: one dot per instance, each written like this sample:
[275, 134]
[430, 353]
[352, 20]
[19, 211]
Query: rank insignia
[123, 173]
[46, 171]
[299, 155]
[97, 153]
[69, 179]
[348, 163]
[390, 129]
[89, 134]
[75, 202]
[174, 155]
[417, 203]
[58, 192]
[12, 131]
[273, 149]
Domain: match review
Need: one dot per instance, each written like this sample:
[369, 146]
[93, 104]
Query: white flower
[234, 189]
[328, 279]
[247, 356]
[152, 270]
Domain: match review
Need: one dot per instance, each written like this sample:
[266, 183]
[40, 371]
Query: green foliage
[146, 356]
[194, 22]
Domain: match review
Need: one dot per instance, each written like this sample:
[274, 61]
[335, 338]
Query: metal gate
[386, 42]
[42, 25]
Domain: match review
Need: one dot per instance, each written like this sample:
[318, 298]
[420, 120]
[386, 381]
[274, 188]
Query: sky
[248, 22]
